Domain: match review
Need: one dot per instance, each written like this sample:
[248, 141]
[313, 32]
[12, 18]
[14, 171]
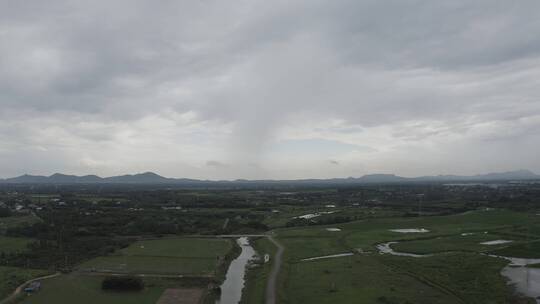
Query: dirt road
[21, 287]
[271, 291]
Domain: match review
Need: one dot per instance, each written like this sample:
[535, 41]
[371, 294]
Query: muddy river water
[231, 289]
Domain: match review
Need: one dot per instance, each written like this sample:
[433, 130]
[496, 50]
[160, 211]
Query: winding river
[525, 279]
[231, 289]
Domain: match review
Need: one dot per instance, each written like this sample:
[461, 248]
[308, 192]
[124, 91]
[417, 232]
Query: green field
[189, 256]
[180, 247]
[472, 278]
[355, 279]
[151, 265]
[527, 250]
[87, 290]
[368, 233]
[13, 245]
[370, 277]
[11, 277]
[453, 243]
[455, 273]
[287, 213]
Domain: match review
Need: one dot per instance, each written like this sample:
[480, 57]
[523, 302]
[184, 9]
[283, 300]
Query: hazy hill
[153, 178]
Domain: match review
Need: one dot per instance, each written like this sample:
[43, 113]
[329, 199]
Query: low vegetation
[11, 277]
[73, 288]
[90, 233]
[122, 284]
[368, 277]
[186, 256]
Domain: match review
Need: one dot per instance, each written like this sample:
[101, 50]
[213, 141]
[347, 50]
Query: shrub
[122, 284]
[4, 212]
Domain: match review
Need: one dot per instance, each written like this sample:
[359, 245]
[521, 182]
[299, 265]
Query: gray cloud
[84, 84]
[216, 164]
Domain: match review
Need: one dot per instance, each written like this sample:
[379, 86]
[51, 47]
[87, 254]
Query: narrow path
[19, 289]
[272, 278]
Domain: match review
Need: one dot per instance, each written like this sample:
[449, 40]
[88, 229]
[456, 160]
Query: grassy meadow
[87, 290]
[14, 221]
[11, 277]
[458, 275]
[13, 244]
[187, 256]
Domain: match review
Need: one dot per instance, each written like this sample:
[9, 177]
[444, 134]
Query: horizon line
[276, 179]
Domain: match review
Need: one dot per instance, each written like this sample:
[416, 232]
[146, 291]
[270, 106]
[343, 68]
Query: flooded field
[329, 256]
[414, 230]
[181, 296]
[525, 279]
[313, 215]
[496, 242]
[333, 229]
[386, 248]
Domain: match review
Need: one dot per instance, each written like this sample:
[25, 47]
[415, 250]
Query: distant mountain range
[58, 178]
[153, 178]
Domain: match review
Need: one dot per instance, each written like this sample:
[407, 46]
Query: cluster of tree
[68, 236]
[59, 243]
[327, 220]
[122, 284]
[5, 212]
[30, 231]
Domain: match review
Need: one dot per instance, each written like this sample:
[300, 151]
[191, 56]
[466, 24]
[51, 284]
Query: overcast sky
[269, 89]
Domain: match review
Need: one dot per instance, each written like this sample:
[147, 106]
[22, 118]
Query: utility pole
[420, 198]
[529, 249]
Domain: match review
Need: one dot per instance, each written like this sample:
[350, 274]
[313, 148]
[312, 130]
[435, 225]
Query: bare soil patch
[181, 296]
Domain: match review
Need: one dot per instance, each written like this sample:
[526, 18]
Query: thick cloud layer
[269, 89]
